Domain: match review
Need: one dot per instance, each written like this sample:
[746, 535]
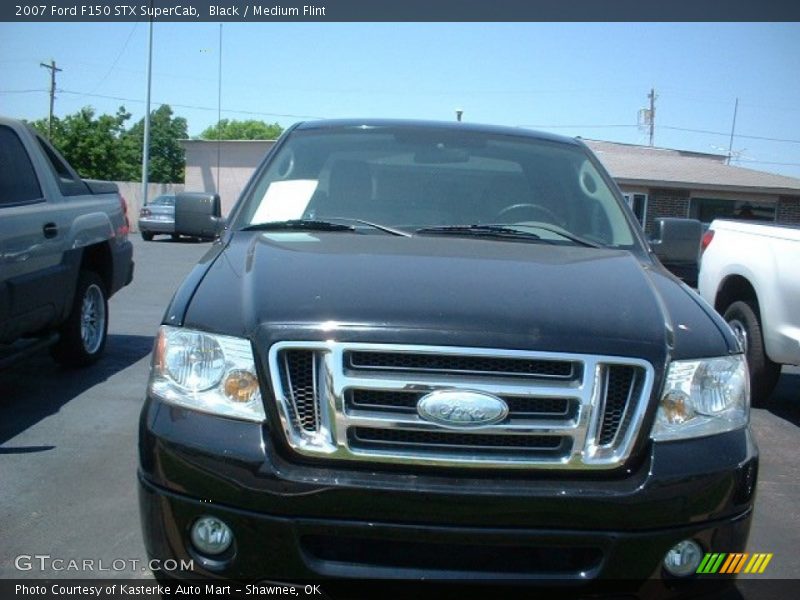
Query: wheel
[147, 236]
[176, 237]
[746, 325]
[83, 334]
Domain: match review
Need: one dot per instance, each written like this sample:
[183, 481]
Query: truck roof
[443, 125]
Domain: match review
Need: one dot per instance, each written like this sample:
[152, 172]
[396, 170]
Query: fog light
[211, 536]
[683, 558]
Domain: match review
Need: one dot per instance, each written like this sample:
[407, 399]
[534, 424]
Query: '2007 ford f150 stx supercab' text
[426, 350]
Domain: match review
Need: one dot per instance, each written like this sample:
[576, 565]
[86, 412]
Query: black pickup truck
[440, 351]
[64, 251]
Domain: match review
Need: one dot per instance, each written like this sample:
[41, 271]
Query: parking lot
[68, 443]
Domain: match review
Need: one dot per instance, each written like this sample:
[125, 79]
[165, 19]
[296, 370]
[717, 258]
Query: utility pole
[733, 128]
[652, 96]
[146, 140]
[219, 106]
[53, 70]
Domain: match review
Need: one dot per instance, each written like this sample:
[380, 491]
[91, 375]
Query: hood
[446, 290]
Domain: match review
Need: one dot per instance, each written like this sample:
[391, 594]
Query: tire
[744, 320]
[84, 333]
[147, 236]
[176, 237]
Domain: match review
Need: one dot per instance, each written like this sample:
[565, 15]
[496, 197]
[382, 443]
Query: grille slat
[564, 411]
[445, 363]
[519, 407]
[364, 437]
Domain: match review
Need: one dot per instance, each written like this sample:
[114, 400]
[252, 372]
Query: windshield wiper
[496, 231]
[504, 231]
[385, 228]
[308, 224]
[582, 241]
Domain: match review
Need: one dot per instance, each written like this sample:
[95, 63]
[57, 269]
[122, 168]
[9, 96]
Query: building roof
[661, 167]
[203, 141]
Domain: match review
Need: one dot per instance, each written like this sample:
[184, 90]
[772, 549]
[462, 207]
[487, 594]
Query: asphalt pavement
[68, 444]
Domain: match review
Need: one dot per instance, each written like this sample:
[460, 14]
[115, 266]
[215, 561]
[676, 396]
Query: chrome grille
[358, 402]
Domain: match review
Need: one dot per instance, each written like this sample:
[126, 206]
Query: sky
[586, 80]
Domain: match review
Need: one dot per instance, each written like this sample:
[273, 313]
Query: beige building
[656, 182]
[236, 159]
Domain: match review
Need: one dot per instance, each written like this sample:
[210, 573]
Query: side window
[68, 181]
[18, 182]
[58, 165]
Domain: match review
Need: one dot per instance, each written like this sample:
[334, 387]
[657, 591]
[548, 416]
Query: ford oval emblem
[462, 409]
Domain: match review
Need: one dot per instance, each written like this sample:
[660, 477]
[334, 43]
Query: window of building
[18, 182]
[638, 204]
[708, 209]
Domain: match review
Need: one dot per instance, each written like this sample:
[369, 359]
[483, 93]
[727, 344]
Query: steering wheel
[529, 209]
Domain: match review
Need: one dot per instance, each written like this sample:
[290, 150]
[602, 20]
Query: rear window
[163, 201]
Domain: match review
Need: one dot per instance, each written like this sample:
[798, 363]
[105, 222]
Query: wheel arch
[97, 258]
[733, 288]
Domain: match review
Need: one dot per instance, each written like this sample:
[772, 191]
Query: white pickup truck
[750, 273]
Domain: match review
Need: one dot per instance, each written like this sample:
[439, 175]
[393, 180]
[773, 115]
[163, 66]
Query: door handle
[50, 230]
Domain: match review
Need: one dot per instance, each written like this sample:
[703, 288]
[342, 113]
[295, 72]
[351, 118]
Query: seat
[349, 190]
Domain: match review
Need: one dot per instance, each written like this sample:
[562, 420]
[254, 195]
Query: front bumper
[301, 522]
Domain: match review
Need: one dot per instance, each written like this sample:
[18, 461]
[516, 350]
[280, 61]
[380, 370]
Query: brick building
[656, 182]
[659, 182]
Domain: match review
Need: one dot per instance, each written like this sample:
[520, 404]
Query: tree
[250, 129]
[92, 145]
[167, 157]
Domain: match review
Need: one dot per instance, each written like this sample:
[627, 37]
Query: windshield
[413, 178]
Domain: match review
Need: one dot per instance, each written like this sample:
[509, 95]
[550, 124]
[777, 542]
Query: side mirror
[676, 243]
[198, 215]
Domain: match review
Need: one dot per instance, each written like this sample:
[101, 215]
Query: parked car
[427, 350]
[749, 273]
[158, 217]
[64, 251]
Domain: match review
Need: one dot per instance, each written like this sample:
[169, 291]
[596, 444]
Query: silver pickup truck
[64, 251]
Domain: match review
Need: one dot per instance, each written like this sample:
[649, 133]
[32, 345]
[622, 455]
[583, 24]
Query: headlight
[703, 397]
[210, 373]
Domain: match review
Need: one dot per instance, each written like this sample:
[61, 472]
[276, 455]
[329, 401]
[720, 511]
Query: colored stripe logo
[730, 563]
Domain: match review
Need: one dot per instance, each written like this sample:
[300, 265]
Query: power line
[577, 126]
[113, 64]
[22, 91]
[766, 162]
[738, 135]
[195, 107]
